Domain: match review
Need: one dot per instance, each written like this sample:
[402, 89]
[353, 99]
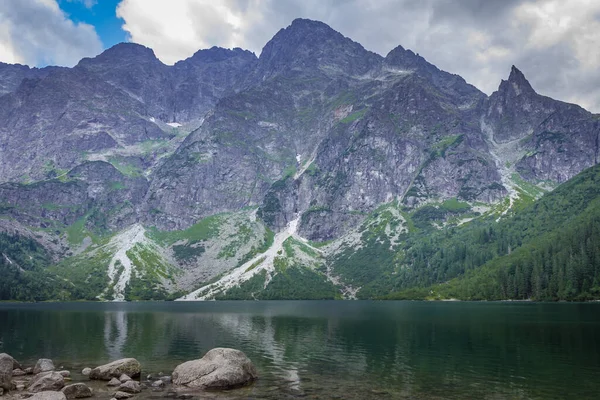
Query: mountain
[283, 176]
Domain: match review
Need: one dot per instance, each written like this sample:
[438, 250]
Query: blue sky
[101, 14]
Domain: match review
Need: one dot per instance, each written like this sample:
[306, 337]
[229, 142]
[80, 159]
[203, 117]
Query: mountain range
[312, 171]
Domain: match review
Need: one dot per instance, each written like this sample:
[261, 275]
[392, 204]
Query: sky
[556, 43]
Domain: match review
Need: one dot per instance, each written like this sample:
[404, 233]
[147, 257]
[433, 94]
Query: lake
[333, 349]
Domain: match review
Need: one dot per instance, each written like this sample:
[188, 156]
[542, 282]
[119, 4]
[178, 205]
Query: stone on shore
[77, 391]
[48, 395]
[47, 381]
[6, 371]
[220, 368]
[128, 366]
[86, 371]
[18, 372]
[29, 371]
[65, 374]
[124, 378]
[130, 387]
[114, 382]
[122, 395]
[43, 365]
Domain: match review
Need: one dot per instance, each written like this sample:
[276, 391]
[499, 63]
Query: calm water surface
[334, 349]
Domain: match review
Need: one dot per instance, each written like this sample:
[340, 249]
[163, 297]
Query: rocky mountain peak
[516, 83]
[122, 53]
[307, 45]
[218, 54]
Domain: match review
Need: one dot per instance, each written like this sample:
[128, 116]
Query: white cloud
[37, 32]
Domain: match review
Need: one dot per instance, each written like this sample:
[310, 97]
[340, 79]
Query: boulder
[220, 368]
[47, 381]
[124, 378]
[122, 395]
[86, 371]
[6, 371]
[65, 374]
[128, 366]
[43, 365]
[18, 372]
[77, 391]
[130, 387]
[48, 395]
[114, 382]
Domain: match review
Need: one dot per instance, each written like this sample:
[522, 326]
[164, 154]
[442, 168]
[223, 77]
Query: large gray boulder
[48, 395]
[77, 391]
[129, 366]
[220, 368]
[47, 381]
[6, 371]
[43, 365]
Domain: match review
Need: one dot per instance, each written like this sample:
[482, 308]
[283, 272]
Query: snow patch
[174, 124]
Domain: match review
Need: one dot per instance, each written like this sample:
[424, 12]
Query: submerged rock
[6, 371]
[130, 387]
[43, 365]
[48, 395]
[128, 366]
[47, 381]
[220, 368]
[122, 395]
[77, 391]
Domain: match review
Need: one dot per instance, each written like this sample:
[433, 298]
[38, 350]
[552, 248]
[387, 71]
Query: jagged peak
[125, 51]
[516, 81]
[217, 54]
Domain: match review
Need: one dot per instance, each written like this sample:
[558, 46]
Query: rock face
[220, 368]
[6, 371]
[77, 391]
[316, 130]
[128, 366]
[47, 381]
[49, 395]
[43, 365]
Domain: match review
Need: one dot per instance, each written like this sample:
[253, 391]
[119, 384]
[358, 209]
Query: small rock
[65, 374]
[128, 366]
[43, 365]
[1, 392]
[28, 371]
[77, 391]
[149, 377]
[21, 387]
[18, 372]
[158, 383]
[47, 381]
[48, 395]
[166, 379]
[130, 387]
[124, 378]
[86, 371]
[122, 395]
[114, 382]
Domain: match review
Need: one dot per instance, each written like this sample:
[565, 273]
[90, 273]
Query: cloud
[38, 33]
[554, 42]
[86, 3]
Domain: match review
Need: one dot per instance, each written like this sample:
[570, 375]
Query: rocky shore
[219, 369]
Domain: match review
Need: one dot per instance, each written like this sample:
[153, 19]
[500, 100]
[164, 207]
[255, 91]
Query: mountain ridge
[212, 159]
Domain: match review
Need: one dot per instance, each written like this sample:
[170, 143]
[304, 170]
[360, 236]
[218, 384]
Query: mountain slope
[232, 176]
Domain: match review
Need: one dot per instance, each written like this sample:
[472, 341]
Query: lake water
[333, 349]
